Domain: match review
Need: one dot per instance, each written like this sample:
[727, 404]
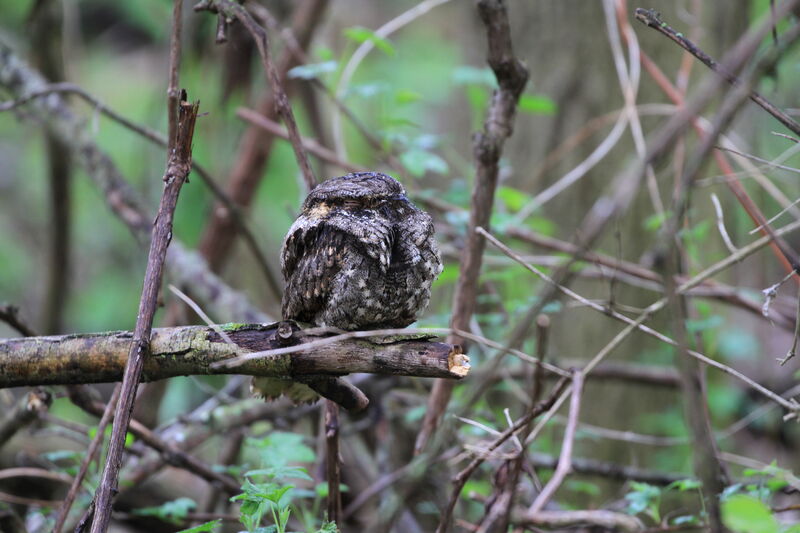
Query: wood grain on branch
[101, 357]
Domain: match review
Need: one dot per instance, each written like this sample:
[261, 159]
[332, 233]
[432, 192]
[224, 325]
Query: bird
[360, 256]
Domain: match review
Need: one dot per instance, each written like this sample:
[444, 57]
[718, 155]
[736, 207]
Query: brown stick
[462, 477]
[91, 453]
[333, 468]
[487, 149]
[233, 10]
[24, 412]
[254, 148]
[10, 315]
[652, 19]
[101, 357]
[179, 166]
[326, 154]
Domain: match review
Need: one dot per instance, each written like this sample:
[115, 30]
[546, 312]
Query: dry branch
[179, 165]
[512, 76]
[255, 146]
[186, 268]
[26, 411]
[652, 18]
[195, 350]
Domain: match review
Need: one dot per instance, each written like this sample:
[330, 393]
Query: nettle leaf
[360, 35]
[312, 70]
[328, 527]
[174, 511]
[280, 448]
[208, 526]
[745, 514]
[537, 104]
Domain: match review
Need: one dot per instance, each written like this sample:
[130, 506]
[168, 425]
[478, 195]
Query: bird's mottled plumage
[359, 256]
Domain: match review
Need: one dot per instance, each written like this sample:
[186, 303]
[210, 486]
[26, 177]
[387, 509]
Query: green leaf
[174, 511]
[406, 96]
[654, 222]
[745, 514]
[514, 199]
[208, 526]
[417, 162]
[360, 35]
[684, 484]
[280, 448]
[312, 70]
[537, 104]
[328, 527]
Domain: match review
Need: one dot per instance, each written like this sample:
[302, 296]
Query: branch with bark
[200, 350]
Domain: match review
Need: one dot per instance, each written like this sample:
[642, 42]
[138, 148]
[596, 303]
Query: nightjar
[359, 256]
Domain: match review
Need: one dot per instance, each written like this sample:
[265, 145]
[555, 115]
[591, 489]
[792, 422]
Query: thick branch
[101, 357]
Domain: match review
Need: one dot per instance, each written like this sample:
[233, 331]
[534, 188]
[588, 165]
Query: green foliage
[746, 514]
[644, 498]
[203, 528]
[537, 104]
[311, 71]
[360, 35]
[174, 512]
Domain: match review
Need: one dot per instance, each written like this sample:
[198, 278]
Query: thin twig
[723, 232]
[512, 76]
[790, 405]
[89, 456]
[565, 458]
[463, 476]
[652, 18]
[332, 462]
[233, 10]
[177, 171]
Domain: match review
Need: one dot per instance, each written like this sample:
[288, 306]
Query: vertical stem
[333, 467]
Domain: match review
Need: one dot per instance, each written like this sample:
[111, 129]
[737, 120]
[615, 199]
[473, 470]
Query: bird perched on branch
[359, 256]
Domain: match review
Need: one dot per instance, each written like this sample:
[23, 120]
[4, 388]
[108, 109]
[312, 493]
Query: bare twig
[89, 456]
[26, 411]
[512, 76]
[463, 476]
[179, 166]
[652, 18]
[332, 462]
[233, 10]
[723, 232]
[255, 118]
[10, 315]
[790, 405]
[565, 458]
